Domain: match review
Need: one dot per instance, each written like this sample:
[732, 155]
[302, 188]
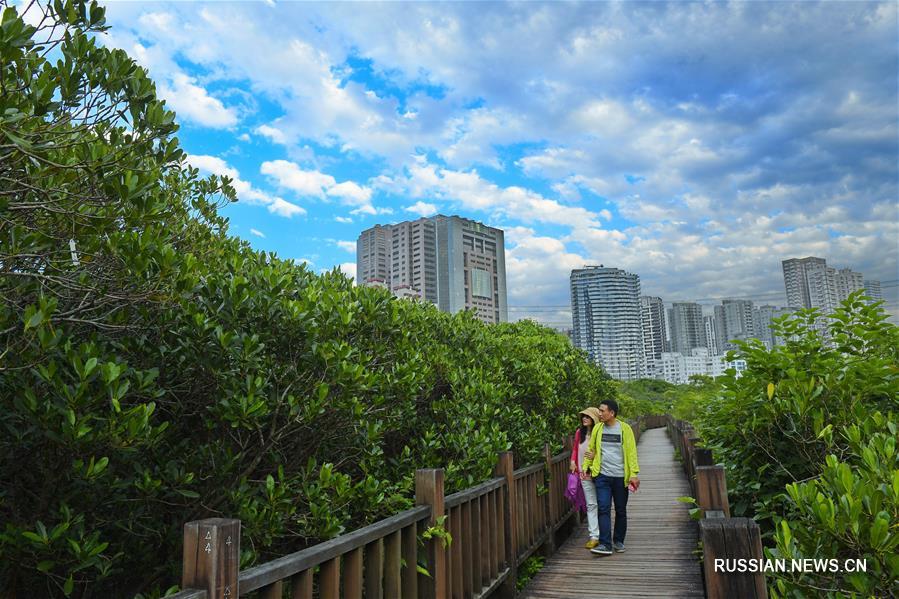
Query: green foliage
[850, 512]
[155, 371]
[650, 396]
[777, 423]
[528, 569]
[807, 435]
[438, 531]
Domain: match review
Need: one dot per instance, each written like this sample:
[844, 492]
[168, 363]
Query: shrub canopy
[154, 370]
[808, 437]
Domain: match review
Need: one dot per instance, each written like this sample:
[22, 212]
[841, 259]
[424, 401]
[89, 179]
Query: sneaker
[602, 549]
[618, 547]
[591, 543]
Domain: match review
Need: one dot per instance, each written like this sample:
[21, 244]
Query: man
[611, 459]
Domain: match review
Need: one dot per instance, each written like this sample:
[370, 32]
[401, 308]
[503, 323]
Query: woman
[589, 417]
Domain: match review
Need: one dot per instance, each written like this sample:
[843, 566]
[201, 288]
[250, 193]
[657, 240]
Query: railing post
[724, 541]
[505, 468]
[552, 500]
[211, 557]
[429, 491]
[711, 489]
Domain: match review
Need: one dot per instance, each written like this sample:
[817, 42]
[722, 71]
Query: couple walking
[605, 457]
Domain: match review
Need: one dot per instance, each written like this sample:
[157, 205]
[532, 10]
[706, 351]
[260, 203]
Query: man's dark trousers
[608, 489]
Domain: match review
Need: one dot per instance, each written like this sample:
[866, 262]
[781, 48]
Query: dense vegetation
[808, 437]
[154, 370]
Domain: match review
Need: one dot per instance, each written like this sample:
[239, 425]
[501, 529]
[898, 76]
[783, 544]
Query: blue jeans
[608, 489]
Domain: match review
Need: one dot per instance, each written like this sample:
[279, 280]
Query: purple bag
[575, 492]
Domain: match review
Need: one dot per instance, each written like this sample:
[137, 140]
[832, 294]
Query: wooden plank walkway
[661, 539]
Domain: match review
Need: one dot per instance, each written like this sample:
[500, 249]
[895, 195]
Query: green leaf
[89, 366]
[34, 537]
[36, 319]
[45, 566]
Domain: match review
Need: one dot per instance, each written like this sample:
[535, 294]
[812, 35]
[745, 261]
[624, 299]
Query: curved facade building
[607, 320]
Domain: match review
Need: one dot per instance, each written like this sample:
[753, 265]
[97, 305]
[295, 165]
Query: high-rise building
[734, 321]
[795, 280]
[710, 324]
[873, 290]
[848, 282]
[471, 270]
[373, 256]
[654, 336]
[413, 259]
[453, 262]
[607, 319]
[687, 330]
[828, 287]
[810, 283]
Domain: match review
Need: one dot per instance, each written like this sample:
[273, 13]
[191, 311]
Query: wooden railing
[495, 526]
[722, 537]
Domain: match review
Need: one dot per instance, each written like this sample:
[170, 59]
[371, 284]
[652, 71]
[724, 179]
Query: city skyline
[621, 133]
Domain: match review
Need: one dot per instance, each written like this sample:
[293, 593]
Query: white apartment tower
[654, 335]
[810, 283]
[828, 287]
[795, 279]
[373, 256]
[453, 262]
[873, 290]
[734, 321]
[413, 259]
[710, 325]
[607, 320]
[687, 330]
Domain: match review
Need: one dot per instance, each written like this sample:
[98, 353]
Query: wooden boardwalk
[661, 540]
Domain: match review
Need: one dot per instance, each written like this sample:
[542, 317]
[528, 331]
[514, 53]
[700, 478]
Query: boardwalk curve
[661, 540]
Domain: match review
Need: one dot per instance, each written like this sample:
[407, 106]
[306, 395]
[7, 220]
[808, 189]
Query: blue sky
[696, 144]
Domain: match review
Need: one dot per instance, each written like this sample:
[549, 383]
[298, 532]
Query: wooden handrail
[526, 470]
[293, 563]
[495, 525]
[473, 492]
[722, 537]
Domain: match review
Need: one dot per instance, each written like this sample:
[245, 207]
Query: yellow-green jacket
[628, 449]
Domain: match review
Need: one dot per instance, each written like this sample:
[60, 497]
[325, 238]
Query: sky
[695, 144]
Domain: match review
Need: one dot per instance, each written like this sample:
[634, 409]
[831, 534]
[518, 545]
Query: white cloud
[352, 193]
[213, 165]
[343, 219]
[285, 208]
[422, 209]
[272, 133]
[347, 246]
[257, 233]
[245, 191]
[369, 209]
[193, 103]
[472, 192]
[349, 269]
[290, 176]
[244, 137]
